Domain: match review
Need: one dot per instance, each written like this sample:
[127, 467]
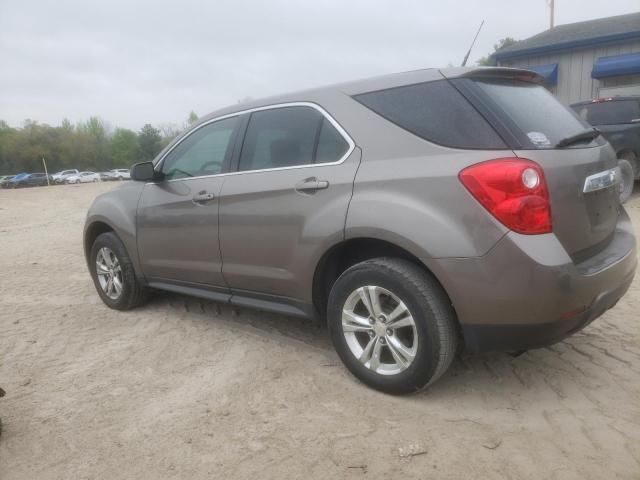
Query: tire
[132, 293]
[628, 179]
[433, 335]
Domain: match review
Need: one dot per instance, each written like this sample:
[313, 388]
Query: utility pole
[45, 171]
[551, 4]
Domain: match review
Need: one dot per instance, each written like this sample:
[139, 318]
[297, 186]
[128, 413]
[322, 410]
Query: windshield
[533, 110]
[609, 112]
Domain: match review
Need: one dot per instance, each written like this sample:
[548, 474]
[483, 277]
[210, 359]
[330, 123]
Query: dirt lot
[187, 389]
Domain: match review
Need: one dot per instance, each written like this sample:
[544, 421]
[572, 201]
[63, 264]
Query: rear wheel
[113, 274]
[392, 325]
[628, 178]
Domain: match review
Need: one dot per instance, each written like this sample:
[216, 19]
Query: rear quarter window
[434, 111]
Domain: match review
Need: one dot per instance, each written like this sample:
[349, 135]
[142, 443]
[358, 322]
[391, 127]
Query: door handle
[311, 185]
[203, 197]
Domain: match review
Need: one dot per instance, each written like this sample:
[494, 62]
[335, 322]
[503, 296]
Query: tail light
[514, 191]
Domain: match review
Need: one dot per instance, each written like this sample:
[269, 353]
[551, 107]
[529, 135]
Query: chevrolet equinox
[414, 213]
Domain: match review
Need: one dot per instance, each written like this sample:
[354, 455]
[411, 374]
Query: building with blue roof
[584, 60]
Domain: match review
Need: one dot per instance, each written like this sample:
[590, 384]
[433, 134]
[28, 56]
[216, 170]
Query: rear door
[583, 220]
[287, 202]
[178, 216]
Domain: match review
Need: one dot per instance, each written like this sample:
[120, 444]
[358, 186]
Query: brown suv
[414, 212]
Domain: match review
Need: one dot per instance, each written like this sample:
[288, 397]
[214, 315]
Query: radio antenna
[466, 57]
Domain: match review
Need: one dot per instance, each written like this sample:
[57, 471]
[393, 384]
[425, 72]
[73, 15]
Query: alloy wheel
[379, 330]
[109, 273]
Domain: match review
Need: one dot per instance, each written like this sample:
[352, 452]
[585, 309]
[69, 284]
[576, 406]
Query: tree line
[89, 145]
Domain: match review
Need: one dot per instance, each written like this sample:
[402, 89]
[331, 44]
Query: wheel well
[630, 155]
[346, 254]
[95, 229]
[627, 153]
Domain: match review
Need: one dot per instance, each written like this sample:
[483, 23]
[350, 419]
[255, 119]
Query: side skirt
[242, 298]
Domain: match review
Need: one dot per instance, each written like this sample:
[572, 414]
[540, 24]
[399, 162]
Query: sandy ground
[187, 389]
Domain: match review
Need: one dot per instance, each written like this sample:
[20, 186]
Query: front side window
[202, 153]
[290, 136]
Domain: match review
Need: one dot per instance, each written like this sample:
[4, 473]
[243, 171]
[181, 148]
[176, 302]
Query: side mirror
[143, 172]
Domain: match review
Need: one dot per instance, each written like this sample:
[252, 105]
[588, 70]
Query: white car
[83, 177]
[60, 177]
[120, 174]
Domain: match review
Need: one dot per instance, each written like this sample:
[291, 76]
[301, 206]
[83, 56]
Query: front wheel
[392, 325]
[628, 179]
[113, 274]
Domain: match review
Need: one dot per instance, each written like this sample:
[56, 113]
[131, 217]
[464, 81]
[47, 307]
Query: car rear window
[609, 112]
[434, 111]
[532, 110]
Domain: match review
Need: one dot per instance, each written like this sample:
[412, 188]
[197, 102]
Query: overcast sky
[133, 62]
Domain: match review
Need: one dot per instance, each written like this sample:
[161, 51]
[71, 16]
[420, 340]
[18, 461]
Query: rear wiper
[584, 136]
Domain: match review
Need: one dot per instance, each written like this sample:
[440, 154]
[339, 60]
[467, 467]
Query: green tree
[149, 142]
[124, 148]
[502, 43]
[193, 118]
[93, 145]
[8, 137]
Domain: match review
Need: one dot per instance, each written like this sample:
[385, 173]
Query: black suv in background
[618, 119]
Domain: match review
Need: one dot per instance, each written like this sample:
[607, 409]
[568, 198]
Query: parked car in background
[106, 176]
[618, 119]
[7, 182]
[4, 182]
[121, 174]
[411, 212]
[60, 177]
[83, 177]
[30, 180]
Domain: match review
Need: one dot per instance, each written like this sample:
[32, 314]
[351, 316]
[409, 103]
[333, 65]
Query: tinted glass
[331, 145]
[281, 137]
[435, 111]
[201, 153]
[542, 119]
[609, 112]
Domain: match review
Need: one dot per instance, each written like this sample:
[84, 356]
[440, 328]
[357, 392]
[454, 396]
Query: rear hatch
[533, 123]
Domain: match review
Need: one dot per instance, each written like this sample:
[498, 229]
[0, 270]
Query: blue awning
[548, 71]
[616, 65]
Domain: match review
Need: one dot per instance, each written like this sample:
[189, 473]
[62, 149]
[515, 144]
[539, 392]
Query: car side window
[202, 153]
[287, 137]
[331, 145]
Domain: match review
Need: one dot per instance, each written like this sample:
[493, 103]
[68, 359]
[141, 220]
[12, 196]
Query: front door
[178, 216]
[287, 202]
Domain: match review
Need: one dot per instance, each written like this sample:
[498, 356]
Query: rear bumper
[481, 338]
[527, 293]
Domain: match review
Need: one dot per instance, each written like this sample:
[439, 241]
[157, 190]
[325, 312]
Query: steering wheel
[208, 168]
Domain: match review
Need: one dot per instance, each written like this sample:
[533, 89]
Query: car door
[35, 179]
[287, 201]
[177, 218]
